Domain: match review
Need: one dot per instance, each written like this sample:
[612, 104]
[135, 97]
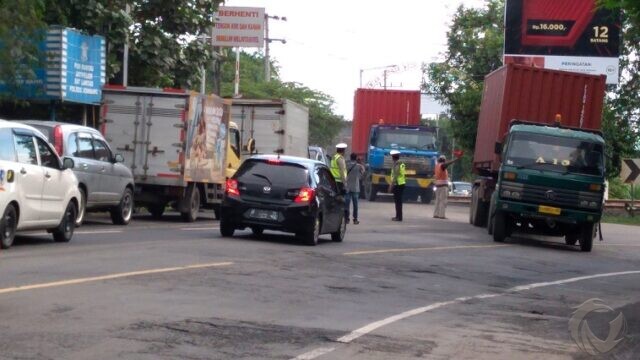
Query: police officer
[398, 180]
[339, 167]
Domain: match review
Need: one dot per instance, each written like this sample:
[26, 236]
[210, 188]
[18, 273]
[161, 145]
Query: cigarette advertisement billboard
[570, 35]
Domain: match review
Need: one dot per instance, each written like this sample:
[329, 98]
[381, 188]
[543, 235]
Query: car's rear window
[285, 174]
[46, 131]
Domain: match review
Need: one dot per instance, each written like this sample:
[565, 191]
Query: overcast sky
[329, 41]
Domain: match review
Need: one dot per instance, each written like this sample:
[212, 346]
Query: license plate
[263, 214]
[410, 172]
[549, 210]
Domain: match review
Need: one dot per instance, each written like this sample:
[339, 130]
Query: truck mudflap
[548, 213]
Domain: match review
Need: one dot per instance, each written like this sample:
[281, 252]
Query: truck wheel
[8, 226]
[193, 195]
[156, 210]
[500, 230]
[426, 196]
[571, 239]
[370, 189]
[587, 233]
[478, 210]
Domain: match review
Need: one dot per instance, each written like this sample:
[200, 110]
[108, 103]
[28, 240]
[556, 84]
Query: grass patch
[622, 219]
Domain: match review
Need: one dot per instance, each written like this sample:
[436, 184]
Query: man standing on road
[355, 171]
[442, 186]
[398, 180]
[339, 167]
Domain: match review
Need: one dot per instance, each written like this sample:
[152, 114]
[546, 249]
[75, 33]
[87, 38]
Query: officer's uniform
[339, 168]
[398, 180]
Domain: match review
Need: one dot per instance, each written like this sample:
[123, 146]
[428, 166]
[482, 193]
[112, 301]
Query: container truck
[386, 120]
[180, 146]
[539, 154]
[278, 126]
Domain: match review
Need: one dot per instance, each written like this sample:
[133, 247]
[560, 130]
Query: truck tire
[370, 190]
[587, 233]
[500, 226]
[193, 197]
[478, 211]
[426, 196]
[571, 239]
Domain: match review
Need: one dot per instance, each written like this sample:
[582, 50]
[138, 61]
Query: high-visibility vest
[442, 175]
[400, 177]
[335, 168]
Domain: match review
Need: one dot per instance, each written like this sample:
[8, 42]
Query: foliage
[619, 190]
[20, 23]
[164, 50]
[475, 42]
[324, 124]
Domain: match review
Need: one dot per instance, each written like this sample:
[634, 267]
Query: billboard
[239, 27]
[570, 35]
[73, 69]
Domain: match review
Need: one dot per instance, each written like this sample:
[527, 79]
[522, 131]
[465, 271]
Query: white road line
[98, 232]
[314, 353]
[110, 277]
[378, 324]
[383, 251]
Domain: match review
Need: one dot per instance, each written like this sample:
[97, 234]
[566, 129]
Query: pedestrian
[398, 180]
[442, 186]
[355, 171]
[339, 167]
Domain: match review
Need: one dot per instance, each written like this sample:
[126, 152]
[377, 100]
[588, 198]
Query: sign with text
[239, 27]
[569, 35]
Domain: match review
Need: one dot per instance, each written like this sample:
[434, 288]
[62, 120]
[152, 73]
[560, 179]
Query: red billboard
[570, 35]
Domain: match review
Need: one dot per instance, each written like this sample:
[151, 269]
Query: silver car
[105, 183]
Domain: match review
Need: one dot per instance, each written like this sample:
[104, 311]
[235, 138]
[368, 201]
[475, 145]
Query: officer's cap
[341, 146]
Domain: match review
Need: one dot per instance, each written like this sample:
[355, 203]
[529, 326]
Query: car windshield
[554, 153]
[405, 139]
[462, 186]
[283, 174]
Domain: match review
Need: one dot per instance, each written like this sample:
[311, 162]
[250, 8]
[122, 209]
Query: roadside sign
[239, 27]
[630, 173]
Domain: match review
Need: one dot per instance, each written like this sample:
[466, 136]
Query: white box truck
[278, 126]
[179, 145]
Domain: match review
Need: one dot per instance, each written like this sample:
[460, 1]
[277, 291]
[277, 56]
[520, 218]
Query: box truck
[180, 146]
[539, 154]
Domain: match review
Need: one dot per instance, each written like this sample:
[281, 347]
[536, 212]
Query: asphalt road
[425, 288]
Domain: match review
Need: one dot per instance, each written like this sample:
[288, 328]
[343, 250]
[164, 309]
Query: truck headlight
[593, 204]
[515, 195]
[506, 194]
[584, 203]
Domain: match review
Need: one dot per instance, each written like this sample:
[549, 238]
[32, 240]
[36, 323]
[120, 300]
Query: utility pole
[125, 51]
[267, 41]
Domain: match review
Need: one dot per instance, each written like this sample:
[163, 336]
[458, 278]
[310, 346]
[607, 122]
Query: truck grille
[420, 164]
[553, 196]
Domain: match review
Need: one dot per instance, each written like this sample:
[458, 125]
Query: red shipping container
[393, 107]
[516, 92]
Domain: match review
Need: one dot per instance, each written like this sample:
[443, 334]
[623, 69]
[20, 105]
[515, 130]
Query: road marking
[98, 232]
[199, 228]
[314, 353]
[367, 252]
[110, 277]
[378, 324]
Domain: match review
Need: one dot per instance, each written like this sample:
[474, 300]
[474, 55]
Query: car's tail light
[305, 195]
[57, 139]
[231, 187]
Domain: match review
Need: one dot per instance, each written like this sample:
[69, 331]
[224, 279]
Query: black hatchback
[283, 193]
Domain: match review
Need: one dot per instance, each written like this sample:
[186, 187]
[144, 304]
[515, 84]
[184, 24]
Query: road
[425, 288]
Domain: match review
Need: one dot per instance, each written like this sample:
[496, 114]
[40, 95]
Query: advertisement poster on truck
[206, 139]
[569, 35]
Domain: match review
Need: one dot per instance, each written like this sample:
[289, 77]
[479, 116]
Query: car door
[29, 178]
[55, 187]
[111, 181]
[328, 195]
[88, 169]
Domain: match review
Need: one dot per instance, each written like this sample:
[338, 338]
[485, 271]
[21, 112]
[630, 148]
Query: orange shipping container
[516, 92]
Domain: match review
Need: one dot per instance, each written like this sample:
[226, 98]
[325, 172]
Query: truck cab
[551, 182]
[233, 150]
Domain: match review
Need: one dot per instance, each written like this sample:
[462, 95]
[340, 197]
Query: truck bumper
[532, 211]
[412, 182]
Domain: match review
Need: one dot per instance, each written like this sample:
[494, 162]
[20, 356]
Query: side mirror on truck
[497, 148]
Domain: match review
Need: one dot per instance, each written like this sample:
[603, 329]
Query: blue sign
[74, 72]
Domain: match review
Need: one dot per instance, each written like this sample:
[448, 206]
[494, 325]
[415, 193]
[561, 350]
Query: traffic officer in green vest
[398, 180]
[339, 167]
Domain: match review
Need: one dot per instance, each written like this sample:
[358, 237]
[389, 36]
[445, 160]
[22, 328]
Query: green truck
[539, 155]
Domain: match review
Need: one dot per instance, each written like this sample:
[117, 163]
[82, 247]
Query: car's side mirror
[251, 145]
[119, 158]
[68, 163]
[497, 148]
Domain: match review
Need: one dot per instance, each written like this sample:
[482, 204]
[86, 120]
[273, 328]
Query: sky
[330, 41]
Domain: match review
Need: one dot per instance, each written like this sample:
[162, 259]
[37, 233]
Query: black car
[283, 193]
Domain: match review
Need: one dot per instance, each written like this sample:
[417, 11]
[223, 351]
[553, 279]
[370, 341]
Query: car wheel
[257, 231]
[64, 231]
[8, 226]
[338, 236]
[216, 211]
[311, 237]
[226, 228]
[191, 214]
[156, 210]
[82, 208]
[121, 214]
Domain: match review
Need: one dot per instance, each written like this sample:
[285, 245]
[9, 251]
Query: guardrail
[610, 204]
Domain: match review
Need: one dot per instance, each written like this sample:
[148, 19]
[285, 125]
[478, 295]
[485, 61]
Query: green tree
[20, 23]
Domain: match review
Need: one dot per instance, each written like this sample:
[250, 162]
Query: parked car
[318, 153]
[288, 194]
[105, 183]
[460, 188]
[38, 190]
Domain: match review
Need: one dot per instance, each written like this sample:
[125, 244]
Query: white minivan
[38, 190]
